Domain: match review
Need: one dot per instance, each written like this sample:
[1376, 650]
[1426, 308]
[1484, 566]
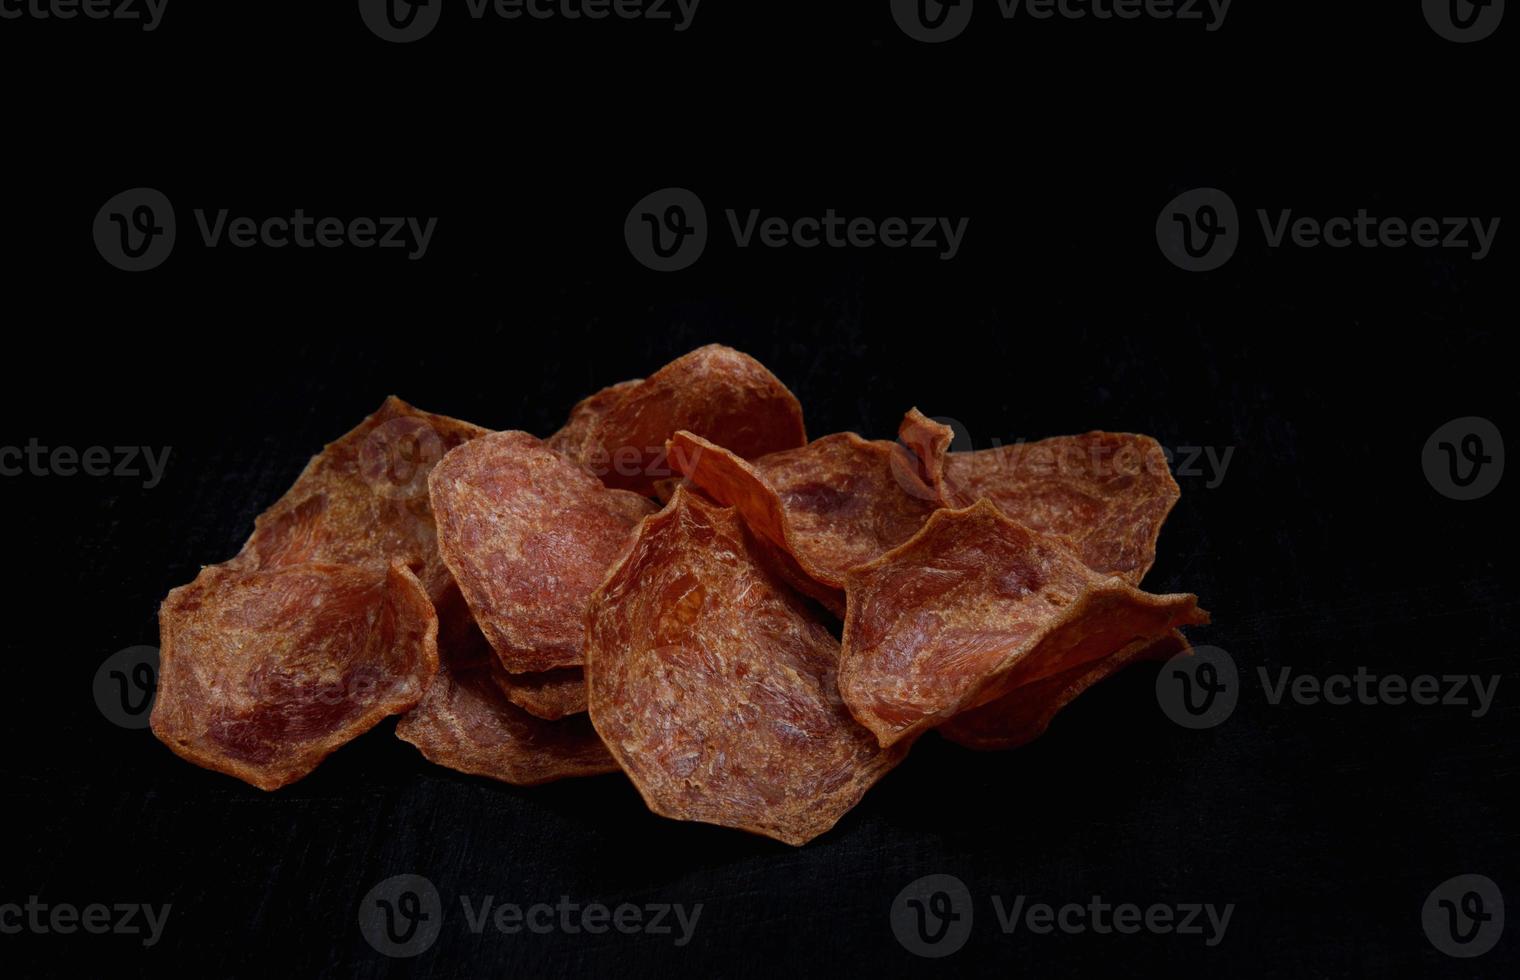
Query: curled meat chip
[715, 392]
[549, 694]
[974, 606]
[833, 504]
[265, 673]
[1104, 495]
[714, 685]
[466, 723]
[922, 469]
[571, 437]
[528, 535]
[363, 500]
[1023, 714]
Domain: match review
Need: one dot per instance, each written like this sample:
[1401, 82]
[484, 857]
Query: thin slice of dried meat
[548, 694]
[974, 606]
[264, 673]
[1023, 714]
[1104, 495]
[715, 392]
[363, 500]
[714, 685]
[466, 723]
[838, 502]
[928, 443]
[571, 437]
[528, 535]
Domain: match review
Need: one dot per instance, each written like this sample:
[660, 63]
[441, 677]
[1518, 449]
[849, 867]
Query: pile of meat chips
[679, 586]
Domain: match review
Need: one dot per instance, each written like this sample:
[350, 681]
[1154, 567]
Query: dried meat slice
[928, 444]
[1023, 714]
[1104, 495]
[714, 685]
[264, 673]
[715, 392]
[571, 437]
[528, 535]
[466, 723]
[974, 606]
[548, 694]
[838, 502]
[363, 500]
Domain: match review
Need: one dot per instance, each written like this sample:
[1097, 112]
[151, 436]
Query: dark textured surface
[1323, 548]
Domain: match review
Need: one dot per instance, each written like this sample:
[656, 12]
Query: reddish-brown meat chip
[1104, 495]
[528, 535]
[363, 500]
[837, 502]
[715, 392]
[714, 685]
[263, 674]
[465, 723]
[548, 694]
[974, 606]
[1023, 714]
[571, 437]
[928, 443]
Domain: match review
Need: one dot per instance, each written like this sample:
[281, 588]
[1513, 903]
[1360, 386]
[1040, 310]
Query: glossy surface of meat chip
[528, 535]
[363, 500]
[571, 437]
[714, 684]
[1023, 714]
[974, 606]
[837, 502]
[714, 392]
[466, 723]
[1104, 495]
[548, 694]
[263, 674]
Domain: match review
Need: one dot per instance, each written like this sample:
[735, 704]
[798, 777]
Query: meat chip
[571, 437]
[264, 673]
[837, 502]
[363, 500]
[466, 723]
[1104, 495]
[974, 606]
[714, 685]
[528, 535]
[549, 694]
[715, 392]
[1022, 715]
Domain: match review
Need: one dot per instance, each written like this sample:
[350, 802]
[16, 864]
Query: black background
[1322, 548]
